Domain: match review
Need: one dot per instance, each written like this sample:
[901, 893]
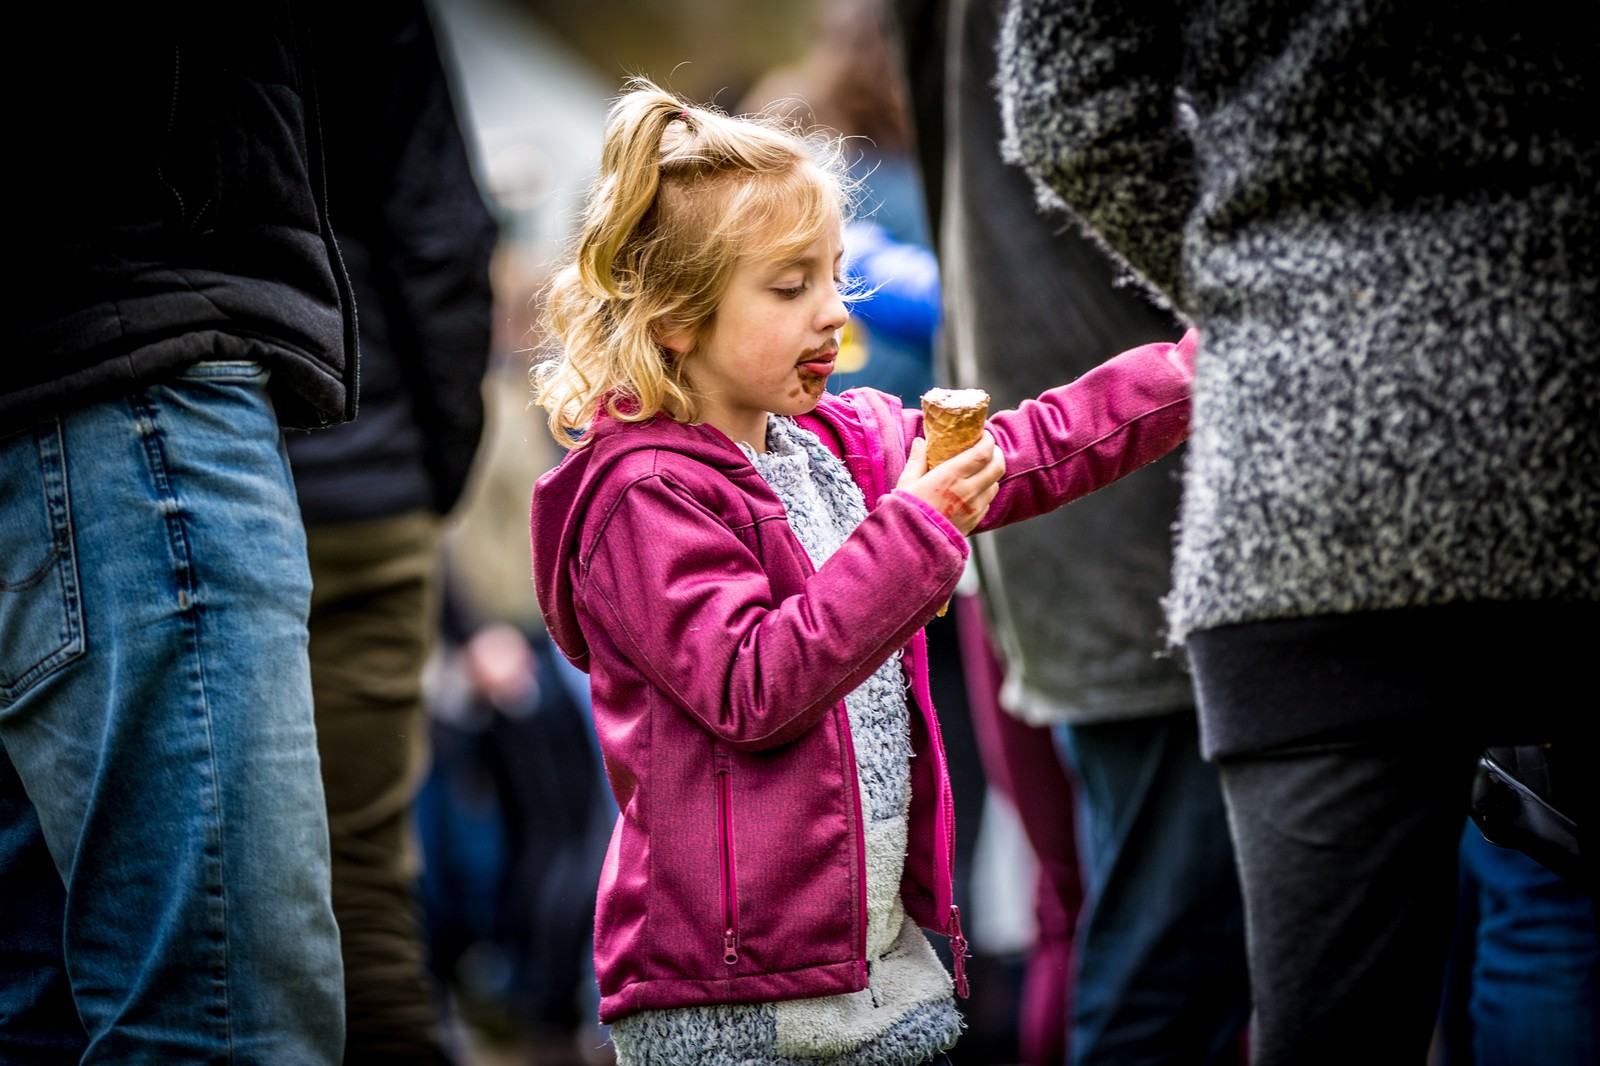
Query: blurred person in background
[1524, 973]
[848, 81]
[1154, 971]
[515, 820]
[164, 866]
[417, 236]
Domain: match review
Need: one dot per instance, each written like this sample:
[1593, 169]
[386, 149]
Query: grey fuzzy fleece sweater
[1383, 218]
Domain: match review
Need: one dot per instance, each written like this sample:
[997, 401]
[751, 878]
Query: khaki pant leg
[373, 619]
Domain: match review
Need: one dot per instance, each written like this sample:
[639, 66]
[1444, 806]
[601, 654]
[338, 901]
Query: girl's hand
[962, 487]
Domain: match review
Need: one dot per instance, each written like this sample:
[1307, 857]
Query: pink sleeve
[1125, 413]
[697, 614]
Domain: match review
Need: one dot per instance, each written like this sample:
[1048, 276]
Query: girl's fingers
[916, 464]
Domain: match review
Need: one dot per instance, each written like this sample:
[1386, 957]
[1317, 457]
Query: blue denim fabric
[156, 723]
[1526, 977]
[1162, 973]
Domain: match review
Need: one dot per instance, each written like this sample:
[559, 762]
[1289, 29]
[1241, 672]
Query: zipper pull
[730, 953]
[958, 948]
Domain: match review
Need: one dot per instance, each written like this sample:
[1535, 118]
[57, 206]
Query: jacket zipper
[849, 743]
[730, 893]
[958, 942]
[958, 950]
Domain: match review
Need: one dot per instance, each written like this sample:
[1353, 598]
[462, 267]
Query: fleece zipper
[730, 886]
[843, 721]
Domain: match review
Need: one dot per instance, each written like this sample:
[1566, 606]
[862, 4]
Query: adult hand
[962, 487]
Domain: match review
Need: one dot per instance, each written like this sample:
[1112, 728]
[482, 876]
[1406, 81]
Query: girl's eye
[790, 293]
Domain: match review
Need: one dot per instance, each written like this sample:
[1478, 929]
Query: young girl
[743, 563]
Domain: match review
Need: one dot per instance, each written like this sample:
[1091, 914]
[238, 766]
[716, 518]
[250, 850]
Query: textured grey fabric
[1385, 224]
[717, 1036]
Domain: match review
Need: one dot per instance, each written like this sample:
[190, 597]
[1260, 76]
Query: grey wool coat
[1384, 222]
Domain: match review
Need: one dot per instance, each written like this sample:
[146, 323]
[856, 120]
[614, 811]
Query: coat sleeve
[696, 611]
[1089, 106]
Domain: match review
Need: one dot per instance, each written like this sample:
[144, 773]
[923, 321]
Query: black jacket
[167, 208]
[417, 238]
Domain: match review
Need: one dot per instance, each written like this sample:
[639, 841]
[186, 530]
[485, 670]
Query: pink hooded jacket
[719, 661]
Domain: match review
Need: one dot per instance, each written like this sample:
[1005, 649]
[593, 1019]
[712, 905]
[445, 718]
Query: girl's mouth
[820, 363]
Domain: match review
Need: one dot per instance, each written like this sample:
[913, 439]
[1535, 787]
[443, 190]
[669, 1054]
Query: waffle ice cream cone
[952, 420]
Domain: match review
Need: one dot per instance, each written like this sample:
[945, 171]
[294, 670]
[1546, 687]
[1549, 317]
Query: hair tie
[684, 114]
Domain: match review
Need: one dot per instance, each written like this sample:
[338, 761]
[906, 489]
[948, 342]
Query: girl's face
[772, 342]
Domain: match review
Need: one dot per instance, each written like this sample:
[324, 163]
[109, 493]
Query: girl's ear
[679, 340]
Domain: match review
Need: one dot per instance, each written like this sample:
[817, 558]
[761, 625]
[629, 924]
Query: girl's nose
[833, 313]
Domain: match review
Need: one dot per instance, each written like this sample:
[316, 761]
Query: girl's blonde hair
[682, 195]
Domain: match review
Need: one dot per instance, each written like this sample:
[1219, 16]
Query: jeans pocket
[41, 609]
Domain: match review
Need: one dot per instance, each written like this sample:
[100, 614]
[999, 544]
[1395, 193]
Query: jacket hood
[562, 500]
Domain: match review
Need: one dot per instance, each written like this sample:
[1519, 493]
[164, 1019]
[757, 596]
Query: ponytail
[682, 194]
[637, 132]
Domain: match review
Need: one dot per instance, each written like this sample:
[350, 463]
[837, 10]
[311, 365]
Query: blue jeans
[164, 868]
[1525, 976]
[1162, 972]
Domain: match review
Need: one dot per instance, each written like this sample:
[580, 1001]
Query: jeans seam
[147, 420]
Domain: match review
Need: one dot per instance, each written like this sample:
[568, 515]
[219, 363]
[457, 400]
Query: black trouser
[1347, 812]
